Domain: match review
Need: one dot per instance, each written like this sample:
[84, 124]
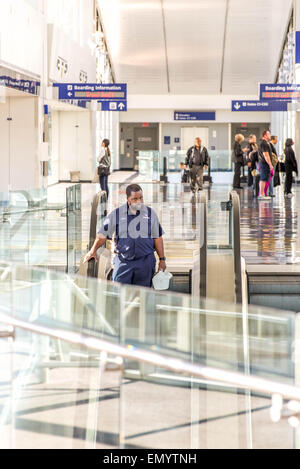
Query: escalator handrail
[203, 247]
[236, 228]
[99, 198]
[179, 366]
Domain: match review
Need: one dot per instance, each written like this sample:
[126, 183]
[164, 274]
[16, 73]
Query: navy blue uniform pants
[135, 272]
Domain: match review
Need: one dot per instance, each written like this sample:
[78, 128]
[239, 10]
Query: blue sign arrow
[259, 106]
[120, 106]
[92, 91]
[279, 91]
[194, 116]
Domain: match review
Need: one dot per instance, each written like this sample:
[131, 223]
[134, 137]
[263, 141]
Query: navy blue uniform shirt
[134, 233]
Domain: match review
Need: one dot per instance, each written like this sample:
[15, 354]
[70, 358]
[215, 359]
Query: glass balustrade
[33, 227]
[57, 394]
[151, 163]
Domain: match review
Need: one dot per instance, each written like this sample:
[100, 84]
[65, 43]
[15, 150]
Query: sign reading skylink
[269, 106]
[194, 116]
[99, 91]
[280, 91]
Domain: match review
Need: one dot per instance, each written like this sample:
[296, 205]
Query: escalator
[215, 270]
[275, 289]
[101, 269]
[218, 271]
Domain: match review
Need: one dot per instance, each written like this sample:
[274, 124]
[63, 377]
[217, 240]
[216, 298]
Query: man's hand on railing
[89, 256]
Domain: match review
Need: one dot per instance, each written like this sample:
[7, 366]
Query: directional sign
[120, 106]
[279, 91]
[90, 91]
[269, 106]
[27, 86]
[194, 116]
[297, 59]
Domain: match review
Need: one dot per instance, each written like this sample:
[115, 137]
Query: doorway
[145, 139]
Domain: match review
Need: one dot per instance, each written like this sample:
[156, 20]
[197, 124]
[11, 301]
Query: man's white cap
[161, 281]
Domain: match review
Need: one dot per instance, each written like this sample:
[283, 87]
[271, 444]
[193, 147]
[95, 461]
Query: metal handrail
[219, 376]
[234, 197]
[203, 248]
[99, 198]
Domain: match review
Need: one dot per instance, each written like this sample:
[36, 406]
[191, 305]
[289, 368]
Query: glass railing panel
[62, 396]
[74, 228]
[32, 228]
[151, 163]
[176, 324]
[174, 408]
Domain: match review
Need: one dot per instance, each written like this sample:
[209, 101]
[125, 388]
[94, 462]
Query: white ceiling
[176, 46]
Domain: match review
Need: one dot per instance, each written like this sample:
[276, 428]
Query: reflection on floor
[83, 409]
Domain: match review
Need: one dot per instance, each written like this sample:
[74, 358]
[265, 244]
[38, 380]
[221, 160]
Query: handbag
[274, 160]
[103, 171]
[276, 179]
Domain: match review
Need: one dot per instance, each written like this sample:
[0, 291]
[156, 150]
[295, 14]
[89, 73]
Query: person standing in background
[290, 166]
[273, 142]
[104, 161]
[197, 160]
[265, 163]
[252, 146]
[238, 160]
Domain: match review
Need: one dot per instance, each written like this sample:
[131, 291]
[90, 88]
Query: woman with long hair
[290, 166]
[104, 161]
[251, 147]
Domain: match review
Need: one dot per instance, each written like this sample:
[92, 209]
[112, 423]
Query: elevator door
[145, 139]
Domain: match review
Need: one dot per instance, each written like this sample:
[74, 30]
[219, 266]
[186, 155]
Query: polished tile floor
[269, 230]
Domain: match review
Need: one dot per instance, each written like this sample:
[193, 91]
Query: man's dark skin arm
[159, 248]
[92, 254]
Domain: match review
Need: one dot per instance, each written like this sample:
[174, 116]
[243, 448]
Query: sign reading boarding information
[278, 91]
[112, 96]
[262, 106]
[194, 116]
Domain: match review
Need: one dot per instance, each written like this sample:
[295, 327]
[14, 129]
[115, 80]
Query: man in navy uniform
[138, 234]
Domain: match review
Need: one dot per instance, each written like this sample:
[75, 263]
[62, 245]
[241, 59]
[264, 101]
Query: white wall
[33, 34]
[21, 37]
[73, 17]
[75, 144]
[19, 144]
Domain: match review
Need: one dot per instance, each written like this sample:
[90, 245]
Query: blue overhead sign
[27, 86]
[269, 106]
[92, 91]
[113, 105]
[194, 116]
[279, 91]
[297, 47]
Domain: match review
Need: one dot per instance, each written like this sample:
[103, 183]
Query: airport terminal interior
[180, 330]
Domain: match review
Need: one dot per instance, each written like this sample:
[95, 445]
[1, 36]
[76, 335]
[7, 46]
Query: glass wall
[283, 124]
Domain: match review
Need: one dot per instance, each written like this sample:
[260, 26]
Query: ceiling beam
[224, 45]
[165, 44]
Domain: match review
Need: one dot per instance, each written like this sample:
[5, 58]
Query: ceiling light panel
[255, 34]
